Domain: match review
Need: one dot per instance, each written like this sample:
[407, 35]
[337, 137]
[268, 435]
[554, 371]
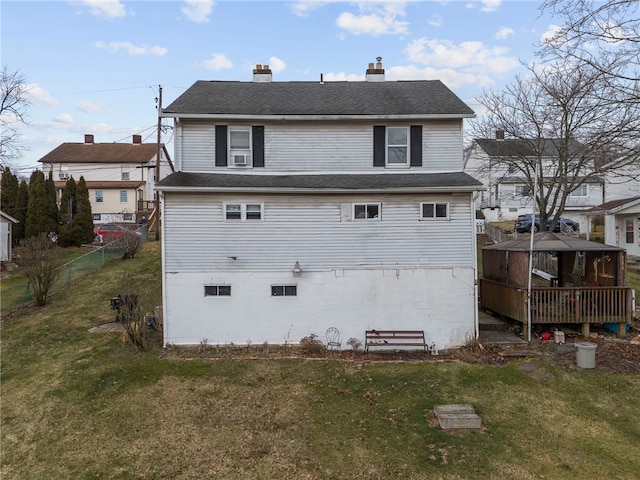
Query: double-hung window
[123, 196]
[99, 196]
[523, 190]
[240, 146]
[397, 146]
[243, 211]
[434, 211]
[124, 172]
[580, 191]
[366, 211]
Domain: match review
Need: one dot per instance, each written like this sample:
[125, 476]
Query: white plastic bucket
[586, 354]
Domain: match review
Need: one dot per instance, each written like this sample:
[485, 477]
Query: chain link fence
[16, 291]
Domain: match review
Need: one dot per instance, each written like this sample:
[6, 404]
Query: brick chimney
[375, 73]
[88, 138]
[262, 73]
[499, 134]
[137, 139]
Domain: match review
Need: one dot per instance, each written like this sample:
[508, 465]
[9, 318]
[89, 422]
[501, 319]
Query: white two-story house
[121, 177]
[507, 194]
[298, 206]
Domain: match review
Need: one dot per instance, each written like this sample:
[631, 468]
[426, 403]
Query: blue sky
[94, 66]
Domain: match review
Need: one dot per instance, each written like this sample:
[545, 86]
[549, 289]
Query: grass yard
[79, 405]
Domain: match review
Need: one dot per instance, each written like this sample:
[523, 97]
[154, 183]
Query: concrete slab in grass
[457, 416]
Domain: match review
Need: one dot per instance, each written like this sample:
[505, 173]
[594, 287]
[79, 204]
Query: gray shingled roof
[515, 147]
[552, 242]
[408, 98]
[457, 181]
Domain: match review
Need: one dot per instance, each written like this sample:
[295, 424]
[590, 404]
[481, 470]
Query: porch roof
[552, 242]
[614, 206]
[320, 183]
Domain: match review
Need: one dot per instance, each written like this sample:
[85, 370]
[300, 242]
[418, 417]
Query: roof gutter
[443, 189]
[286, 117]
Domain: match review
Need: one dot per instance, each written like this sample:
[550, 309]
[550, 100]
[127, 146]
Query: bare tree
[41, 264]
[599, 34]
[13, 105]
[570, 126]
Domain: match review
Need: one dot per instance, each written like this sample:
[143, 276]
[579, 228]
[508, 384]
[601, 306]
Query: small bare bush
[136, 308]
[41, 262]
[354, 343]
[131, 243]
[311, 344]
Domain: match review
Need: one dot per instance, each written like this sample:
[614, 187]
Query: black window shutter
[257, 135]
[416, 145]
[379, 143]
[221, 145]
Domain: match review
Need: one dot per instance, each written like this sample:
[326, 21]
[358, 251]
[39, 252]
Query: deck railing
[559, 304]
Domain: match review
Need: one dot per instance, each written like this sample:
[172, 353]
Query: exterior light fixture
[297, 271]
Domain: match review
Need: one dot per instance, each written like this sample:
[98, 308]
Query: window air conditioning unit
[240, 160]
[64, 176]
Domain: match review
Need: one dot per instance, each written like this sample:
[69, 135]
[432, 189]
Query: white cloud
[490, 5]
[303, 7]
[108, 9]
[63, 118]
[472, 55]
[218, 61]
[131, 49]
[276, 65]
[435, 20]
[39, 96]
[552, 32]
[89, 107]
[198, 11]
[342, 77]
[504, 32]
[451, 78]
[375, 19]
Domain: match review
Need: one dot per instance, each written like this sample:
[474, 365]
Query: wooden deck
[549, 305]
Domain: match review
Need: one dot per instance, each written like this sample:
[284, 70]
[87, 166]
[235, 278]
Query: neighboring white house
[120, 176]
[298, 206]
[494, 162]
[6, 238]
[621, 223]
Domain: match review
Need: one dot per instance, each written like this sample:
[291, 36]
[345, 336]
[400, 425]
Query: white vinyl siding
[310, 229]
[320, 146]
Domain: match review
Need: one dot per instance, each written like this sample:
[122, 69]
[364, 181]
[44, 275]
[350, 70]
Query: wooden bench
[394, 338]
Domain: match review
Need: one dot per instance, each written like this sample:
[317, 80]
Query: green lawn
[79, 405]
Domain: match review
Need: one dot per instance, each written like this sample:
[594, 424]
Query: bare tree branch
[13, 105]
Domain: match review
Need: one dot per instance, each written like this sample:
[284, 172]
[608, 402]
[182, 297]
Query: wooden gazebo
[575, 281]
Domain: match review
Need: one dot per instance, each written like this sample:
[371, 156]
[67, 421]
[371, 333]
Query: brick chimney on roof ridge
[499, 134]
[137, 139]
[262, 73]
[375, 73]
[88, 138]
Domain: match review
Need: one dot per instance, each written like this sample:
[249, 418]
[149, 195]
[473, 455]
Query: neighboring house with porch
[6, 236]
[299, 206]
[121, 177]
[506, 195]
[621, 223]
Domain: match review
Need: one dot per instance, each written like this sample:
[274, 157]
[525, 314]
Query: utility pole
[158, 148]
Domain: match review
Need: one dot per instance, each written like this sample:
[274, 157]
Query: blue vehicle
[565, 225]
